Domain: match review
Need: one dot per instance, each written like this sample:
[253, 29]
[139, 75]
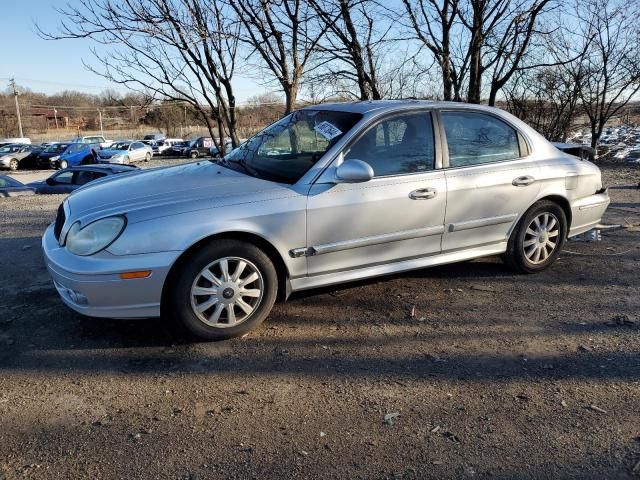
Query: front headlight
[94, 237]
[53, 159]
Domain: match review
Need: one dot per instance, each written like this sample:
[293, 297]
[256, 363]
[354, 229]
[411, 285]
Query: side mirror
[50, 181]
[354, 171]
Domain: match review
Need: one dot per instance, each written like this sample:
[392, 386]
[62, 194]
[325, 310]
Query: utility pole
[101, 130]
[55, 116]
[12, 84]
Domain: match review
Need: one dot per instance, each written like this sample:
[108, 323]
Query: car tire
[211, 316]
[538, 238]
[14, 164]
[147, 157]
[63, 164]
[193, 155]
[126, 161]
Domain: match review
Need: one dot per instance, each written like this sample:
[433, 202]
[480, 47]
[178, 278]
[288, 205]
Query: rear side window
[475, 138]
[397, 146]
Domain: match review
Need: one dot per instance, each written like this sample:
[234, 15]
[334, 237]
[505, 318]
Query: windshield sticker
[327, 130]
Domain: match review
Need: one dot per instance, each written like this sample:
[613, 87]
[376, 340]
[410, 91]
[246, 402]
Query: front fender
[280, 222]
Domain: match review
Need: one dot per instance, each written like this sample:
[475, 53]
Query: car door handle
[423, 194]
[523, 181]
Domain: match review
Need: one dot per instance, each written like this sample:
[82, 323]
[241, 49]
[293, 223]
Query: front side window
[475, 138]
[398, 146]
[64, 178]
[286, 150]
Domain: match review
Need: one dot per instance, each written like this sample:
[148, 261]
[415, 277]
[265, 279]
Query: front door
[397, 215]
[490, 180]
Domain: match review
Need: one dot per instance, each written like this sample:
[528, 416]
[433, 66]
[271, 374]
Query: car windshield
[284, 151]
[120, 146]
[57, 147]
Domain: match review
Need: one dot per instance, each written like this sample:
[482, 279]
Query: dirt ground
[494, 375]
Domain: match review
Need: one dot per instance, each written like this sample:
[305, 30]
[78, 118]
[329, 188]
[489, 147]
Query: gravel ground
[494, 375]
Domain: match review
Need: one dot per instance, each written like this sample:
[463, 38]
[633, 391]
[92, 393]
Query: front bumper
[5, 162]
[587, 212]
[92, 285]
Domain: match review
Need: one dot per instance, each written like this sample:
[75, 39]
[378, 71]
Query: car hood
[147, 194]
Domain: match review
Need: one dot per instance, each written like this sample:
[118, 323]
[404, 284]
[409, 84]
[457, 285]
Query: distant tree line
[547, 61]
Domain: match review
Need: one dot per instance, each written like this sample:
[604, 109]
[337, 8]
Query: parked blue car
[76, 154]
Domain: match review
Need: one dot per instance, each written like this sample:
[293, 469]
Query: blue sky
[52, 66]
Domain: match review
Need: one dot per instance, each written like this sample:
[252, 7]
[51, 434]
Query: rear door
[398, 215]
[490, 178]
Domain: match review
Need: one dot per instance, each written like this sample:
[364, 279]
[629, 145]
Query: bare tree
[612, 65]
[182, 50]
[545, 98]
[500, 32]
[354, 40]
[433, 23]
[285, 35]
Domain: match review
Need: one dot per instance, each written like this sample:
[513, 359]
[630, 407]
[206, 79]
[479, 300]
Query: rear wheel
[225, 290]
[14, 164]
[538, 238]
[194, 155]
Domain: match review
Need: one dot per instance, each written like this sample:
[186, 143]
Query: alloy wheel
[541, 238]
[226, 292]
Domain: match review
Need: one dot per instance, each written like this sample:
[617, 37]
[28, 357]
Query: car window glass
[397, 146]
[288, 148]
[475, 138]
[3, 183]
[137, 145]
[64, 177]
[83, 177]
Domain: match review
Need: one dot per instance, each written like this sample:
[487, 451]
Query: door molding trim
[481, 222]
[366, 241]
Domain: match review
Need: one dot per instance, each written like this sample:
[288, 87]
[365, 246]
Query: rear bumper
[92, 285]
[587, 212]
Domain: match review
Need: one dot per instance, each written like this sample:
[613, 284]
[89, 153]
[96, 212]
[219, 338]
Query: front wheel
[147, 157]
[537, 239]
[225, 290]
[63, 164]
[194, 155]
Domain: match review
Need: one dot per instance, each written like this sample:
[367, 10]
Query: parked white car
[163, 147]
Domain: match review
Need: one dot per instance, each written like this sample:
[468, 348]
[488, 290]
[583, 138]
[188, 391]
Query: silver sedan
[329, 194]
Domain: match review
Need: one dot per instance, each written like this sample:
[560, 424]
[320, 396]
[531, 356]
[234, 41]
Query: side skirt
[305, 283]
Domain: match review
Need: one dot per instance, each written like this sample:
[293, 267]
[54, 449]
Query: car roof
[367, 106]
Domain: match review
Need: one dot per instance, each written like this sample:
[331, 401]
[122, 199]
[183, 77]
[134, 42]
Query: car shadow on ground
[318, 332]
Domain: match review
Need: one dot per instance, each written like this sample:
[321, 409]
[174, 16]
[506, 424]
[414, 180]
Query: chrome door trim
[376, 240]
[481, 222]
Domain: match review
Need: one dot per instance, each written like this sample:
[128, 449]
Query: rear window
[474, 138]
